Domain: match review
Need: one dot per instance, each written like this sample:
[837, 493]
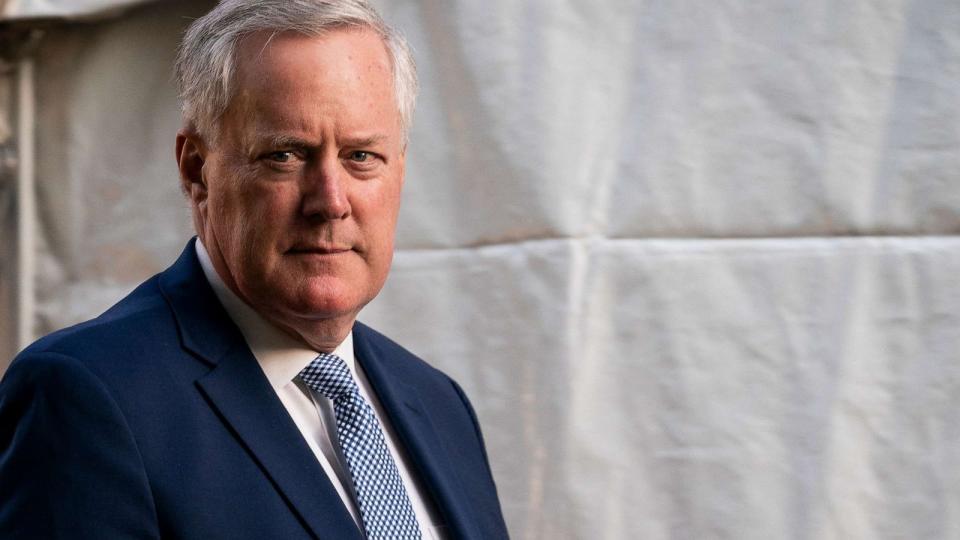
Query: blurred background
[696, 263]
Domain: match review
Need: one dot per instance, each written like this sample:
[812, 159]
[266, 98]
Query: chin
[328, 302]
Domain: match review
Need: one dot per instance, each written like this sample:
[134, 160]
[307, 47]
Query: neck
[322, 335]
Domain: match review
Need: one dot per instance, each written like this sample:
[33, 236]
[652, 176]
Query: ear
[191, 154]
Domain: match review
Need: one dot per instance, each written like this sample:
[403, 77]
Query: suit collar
[205, 328]
[398, 394]
[238, 391]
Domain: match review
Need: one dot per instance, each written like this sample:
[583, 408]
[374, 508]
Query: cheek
[259, 206]
[379, 215]
[378, 209]
[246, 215]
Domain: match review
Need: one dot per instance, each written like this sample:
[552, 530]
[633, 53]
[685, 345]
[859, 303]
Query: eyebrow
[363, 141]
[292, 141]
[287, 141]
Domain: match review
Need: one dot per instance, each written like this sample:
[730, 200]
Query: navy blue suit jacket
[155, 420]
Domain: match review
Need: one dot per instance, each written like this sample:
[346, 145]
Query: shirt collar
[281, 357]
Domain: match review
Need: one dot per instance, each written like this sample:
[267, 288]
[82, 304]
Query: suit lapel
[239, 392]
[418, 435]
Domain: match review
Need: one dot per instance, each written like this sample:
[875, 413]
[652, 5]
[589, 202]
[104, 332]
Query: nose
[325, 191]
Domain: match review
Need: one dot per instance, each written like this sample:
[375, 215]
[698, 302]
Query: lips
[319, 249]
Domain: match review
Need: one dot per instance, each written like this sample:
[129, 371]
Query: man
[234, 395]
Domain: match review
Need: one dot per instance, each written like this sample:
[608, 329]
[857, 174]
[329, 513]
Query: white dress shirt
[281, 357]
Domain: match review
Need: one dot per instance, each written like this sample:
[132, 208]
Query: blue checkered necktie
[384, 505]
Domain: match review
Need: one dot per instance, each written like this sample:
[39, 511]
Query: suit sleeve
[69, 465]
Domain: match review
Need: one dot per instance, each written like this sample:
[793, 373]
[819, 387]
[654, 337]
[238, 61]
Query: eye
[282, 156]
[360, 156]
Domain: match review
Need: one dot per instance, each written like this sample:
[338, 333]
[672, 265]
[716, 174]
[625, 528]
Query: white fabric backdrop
[695, 263]
[33, 9]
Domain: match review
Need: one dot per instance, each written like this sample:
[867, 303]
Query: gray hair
[206, 61]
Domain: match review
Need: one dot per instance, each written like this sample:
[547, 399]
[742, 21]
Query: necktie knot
[329, 375]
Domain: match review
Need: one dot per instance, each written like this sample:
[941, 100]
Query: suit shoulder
[433, 383]
[142, 315]
[393, 350]
[48, 378]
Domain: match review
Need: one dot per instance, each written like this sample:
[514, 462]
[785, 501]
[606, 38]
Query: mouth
[319, 249]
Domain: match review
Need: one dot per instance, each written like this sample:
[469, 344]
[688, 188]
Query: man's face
[303, 182]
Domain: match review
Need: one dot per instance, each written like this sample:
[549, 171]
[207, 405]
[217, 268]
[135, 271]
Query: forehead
[272, 52]
[344, 75]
